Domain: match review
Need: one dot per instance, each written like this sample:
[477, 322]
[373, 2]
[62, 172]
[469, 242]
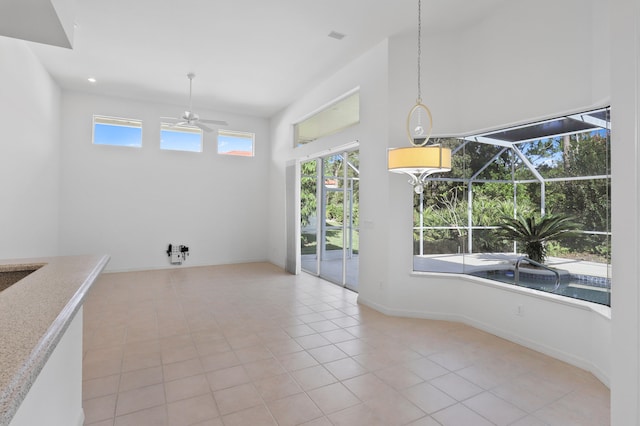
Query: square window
[117, 131]
[236, 143]
[180, 138]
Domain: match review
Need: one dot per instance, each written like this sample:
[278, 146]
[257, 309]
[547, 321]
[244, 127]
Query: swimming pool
[584, 287]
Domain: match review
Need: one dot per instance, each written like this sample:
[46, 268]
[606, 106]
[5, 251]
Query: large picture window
[557, 168]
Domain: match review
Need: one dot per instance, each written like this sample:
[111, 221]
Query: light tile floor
[251, 345]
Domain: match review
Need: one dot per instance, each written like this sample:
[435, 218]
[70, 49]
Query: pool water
[592, 289]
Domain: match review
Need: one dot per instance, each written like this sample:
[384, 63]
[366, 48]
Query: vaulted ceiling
[249, 56]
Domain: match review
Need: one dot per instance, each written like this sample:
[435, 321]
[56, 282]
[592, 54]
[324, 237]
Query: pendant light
[422, 158]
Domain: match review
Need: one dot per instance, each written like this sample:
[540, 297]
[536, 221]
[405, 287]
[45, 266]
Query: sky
[227, 143]
[130, 136]
[180, 141]
[105, 134]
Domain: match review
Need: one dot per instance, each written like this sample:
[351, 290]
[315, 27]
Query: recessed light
[336, 35]
[91, 80]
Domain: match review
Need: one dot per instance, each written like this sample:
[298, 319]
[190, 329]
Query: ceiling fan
[190, 118]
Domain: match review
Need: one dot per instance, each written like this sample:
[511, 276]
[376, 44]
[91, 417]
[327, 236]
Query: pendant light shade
[419, 160]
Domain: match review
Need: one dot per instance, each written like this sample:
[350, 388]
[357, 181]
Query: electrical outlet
[520, 310]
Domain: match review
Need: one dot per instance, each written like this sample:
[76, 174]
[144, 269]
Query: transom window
[180, 138]
[117, 131]
[337, 116]
[236, 143]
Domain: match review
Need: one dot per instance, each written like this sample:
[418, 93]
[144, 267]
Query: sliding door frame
[347, 200]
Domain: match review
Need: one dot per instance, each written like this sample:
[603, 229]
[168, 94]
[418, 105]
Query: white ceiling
[249, 56]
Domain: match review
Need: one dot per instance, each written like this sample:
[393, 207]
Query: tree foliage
[308, 202]
[533, 232]
[576, 168]
[333, 181]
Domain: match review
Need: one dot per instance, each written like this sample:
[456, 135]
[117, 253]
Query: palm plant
[533, 232]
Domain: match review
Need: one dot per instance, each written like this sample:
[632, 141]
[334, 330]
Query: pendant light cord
[419, 100]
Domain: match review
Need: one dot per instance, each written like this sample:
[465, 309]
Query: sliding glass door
[329, 188]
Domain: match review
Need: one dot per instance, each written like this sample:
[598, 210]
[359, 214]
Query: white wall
[55, 397]
[528, 61]
[132, 202]
[625, 157]
[538, 55]
[525, 62]
[29, 154]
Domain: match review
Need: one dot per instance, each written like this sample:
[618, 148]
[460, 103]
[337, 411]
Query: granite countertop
[34, 314]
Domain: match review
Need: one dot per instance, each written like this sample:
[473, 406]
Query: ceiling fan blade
[218, 122]
[203, 127]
